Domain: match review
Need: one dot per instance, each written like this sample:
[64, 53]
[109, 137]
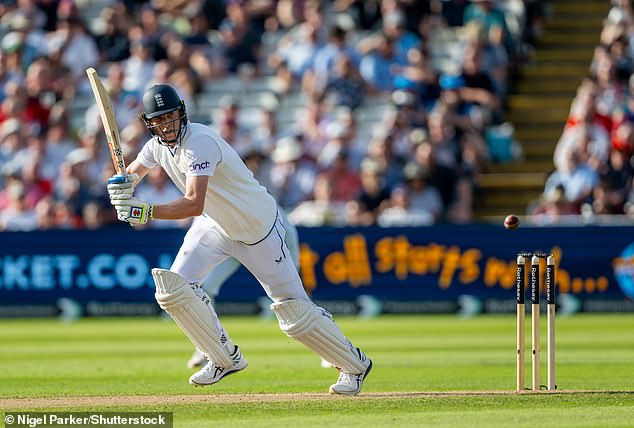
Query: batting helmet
[157, 101]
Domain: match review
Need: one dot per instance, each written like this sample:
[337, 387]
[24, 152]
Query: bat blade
[108, 119]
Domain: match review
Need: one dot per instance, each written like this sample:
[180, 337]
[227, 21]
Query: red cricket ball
[511, 221]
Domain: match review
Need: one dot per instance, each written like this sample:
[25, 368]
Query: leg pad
[314, 327]
[197, 320]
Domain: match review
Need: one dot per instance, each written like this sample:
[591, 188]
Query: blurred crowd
[328, 161]
[594, 157]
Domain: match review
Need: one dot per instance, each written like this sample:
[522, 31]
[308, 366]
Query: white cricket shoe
[198, 359]
[212, 373]
[351, 383]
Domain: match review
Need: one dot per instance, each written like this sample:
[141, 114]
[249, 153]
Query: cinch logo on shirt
[199, 166]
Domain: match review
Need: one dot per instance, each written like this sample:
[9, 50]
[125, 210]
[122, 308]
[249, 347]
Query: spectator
[150, 30]
[479, 89]
[182, 76]
[577, 179]
[585, 127]
[288, 13]
[395, 28]
[312, 126]
[126, 103]
[419, 75]
[400, 211]
[95, 215]
[158, 187]
[17, 216]
[378, 60]
[10, 141]
[298, 54]
[365, 13]
[340, 139]
[268, 130]
[69, 189]
[76, 49]
[493, 58]
[45, 213]
[374, 194]
[443, 135]
[39, 97]
[327, 57]
[229, 128]
[591, 143]
[390, 165]
[22, 43]
[240, 40]
[259, 164]
[451, 106]
[623, 138]
[402, 119]
[345, 88]
[292, 176]
[438, 175]
[616, 177]
[422, 196]
[138, 69]
[490, 17]
[112, 43]
[610, 90]
[36, 187]
[620, 55]
[59, 144]
[553, 207]
[348, 183]
[322, 210]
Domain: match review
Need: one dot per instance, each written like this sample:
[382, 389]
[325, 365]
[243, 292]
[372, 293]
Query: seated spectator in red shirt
[348, 182]
[40, 98]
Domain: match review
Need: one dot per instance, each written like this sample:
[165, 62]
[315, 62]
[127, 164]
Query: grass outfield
[428, 371]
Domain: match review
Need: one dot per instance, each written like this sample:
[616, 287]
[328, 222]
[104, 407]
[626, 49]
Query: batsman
[240, 219]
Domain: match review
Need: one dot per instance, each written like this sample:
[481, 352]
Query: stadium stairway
[539, 103]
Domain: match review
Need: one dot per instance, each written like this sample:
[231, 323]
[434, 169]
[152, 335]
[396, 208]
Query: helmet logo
[159, 100]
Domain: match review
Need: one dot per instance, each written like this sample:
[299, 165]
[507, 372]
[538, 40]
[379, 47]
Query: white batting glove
[133, 210]
[121, 187]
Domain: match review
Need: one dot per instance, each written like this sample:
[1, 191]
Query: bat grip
[117, 179]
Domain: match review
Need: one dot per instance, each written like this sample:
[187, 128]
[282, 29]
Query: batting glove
[133, 210]
[121, 186]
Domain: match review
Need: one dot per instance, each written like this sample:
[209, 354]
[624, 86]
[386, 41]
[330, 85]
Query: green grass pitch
[428, 371]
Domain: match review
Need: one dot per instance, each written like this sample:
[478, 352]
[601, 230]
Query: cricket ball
[511, 221]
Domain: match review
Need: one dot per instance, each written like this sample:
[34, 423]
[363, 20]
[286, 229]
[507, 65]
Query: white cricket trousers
[206, 245]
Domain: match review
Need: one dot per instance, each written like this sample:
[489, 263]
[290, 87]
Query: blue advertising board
[429, 269]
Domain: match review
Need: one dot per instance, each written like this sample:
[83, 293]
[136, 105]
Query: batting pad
[314, 327]
[175, 296]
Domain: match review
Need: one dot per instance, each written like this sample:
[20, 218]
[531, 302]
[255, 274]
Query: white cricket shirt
[235, 200]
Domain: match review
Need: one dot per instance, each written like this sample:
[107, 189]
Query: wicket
[533, 260]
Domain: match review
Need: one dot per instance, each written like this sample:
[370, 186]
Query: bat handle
[117, 179]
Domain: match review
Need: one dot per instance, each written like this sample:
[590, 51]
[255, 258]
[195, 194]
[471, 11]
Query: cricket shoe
[198, 359]
[212, 373]
[351, 383]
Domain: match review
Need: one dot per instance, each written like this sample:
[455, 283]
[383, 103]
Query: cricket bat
[109, 123]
